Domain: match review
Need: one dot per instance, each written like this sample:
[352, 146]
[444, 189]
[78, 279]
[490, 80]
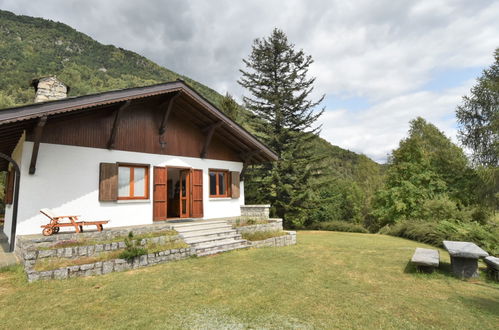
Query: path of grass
[328, 280]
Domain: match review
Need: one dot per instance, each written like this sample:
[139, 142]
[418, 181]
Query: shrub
[338, 226]
[485, 236]
[132, 248]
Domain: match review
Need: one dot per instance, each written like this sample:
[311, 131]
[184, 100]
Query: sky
[379, 63]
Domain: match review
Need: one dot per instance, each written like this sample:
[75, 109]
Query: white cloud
[376, 131]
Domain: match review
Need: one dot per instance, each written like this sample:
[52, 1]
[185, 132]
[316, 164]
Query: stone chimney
[49, 89]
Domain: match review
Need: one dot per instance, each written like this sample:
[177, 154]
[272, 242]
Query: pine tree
[285, 119]
[478, 117]
[230, 107]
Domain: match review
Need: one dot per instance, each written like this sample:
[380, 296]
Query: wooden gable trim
[36, 143]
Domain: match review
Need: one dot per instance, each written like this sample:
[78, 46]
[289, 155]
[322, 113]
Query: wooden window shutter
[9, 187]
[197, 194]
[235, 183]
[108, 182]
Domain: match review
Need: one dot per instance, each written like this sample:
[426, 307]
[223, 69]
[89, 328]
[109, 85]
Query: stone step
[204, 241]
[214, 249]
[220, 226]
[197, 223]
[211, 233]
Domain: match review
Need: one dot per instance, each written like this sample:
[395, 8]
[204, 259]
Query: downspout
[15, 202]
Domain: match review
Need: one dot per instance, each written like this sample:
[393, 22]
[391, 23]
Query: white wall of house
[67, 181]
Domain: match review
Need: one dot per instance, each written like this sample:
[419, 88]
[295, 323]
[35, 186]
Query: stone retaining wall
[30, 256]
[255, 211]
[284, 240]
[109, 266]
[272, 225]
[34, 242]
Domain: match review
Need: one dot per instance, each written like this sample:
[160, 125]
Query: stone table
[464, 258]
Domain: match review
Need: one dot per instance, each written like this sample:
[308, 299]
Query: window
[133, 181]
[219, 183]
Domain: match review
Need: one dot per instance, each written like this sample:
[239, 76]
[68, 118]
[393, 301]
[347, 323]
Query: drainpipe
[15, 202]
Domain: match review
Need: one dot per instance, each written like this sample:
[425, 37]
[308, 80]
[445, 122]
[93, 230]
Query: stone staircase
[210, 237]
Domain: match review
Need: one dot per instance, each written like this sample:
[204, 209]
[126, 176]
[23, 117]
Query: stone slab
[492, 262]
[464, 250]
[426, 257]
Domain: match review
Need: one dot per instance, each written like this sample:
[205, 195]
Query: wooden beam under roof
[117, 115]
[36, 143]
[210, 130]
[168, 105]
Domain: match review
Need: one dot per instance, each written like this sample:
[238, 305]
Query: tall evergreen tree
[230, 107]
[280, 89]
[478, 117]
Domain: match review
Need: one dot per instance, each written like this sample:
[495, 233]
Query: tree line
[428, 191]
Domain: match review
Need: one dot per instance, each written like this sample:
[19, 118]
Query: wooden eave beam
[246, 157]
[117, 117]
[209, 131]
[36, 143]
[168, 109]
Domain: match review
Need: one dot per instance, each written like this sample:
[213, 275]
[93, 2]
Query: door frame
[188, 195]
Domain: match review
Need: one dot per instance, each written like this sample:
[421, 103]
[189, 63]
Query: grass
[261, 235]
[249, 222]
[328, 280]
[84, 242]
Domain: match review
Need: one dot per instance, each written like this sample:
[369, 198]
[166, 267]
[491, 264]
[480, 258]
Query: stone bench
[464, 258]
[426, 260]
[493, 267]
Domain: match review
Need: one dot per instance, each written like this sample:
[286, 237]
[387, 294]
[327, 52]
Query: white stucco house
[132, 156]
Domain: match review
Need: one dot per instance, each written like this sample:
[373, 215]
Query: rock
[33, 276]
[464, 250]
[143, 260]
[87, 266]
[68, 252]
[29, 255]
[492, 262]
[107, 267]
[47, 253]
[426, 257]
[61, 273]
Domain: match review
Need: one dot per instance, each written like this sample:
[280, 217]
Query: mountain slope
[34, 47]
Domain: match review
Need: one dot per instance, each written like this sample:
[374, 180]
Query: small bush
[338, 226]
[434, 233]
[132, 249]
[261, 235]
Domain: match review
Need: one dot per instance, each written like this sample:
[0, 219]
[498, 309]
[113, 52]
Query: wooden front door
[185, 193]
[160, 196]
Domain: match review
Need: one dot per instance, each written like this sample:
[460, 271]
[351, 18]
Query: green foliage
[132, 249]
[478, 117]
[486, 236]
[335, 225]
[280, 90]
[426, 174]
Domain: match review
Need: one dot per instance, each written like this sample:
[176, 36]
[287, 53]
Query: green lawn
[327, 280]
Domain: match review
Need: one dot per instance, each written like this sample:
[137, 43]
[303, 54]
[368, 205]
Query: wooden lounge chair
[55, 225]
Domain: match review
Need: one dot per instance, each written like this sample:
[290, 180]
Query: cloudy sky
[379, 63]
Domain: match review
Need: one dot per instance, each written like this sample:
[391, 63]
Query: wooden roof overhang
[14, 121]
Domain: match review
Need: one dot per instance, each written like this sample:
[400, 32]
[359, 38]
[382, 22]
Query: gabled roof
[13, 121]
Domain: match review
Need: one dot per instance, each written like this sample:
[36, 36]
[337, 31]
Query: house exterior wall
[67, 181]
